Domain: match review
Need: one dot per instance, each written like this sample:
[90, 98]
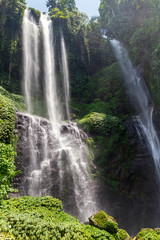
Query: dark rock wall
[142, 180]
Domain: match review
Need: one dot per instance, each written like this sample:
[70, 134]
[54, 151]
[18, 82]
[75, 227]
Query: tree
[61, 4]
[11, 16]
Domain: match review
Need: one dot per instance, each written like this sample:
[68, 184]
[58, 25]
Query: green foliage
[7, 168]
[155, 84]
[11, 15]
[14, 100]
[110, 145]
[65, 14]
[6, 236]
[32, 203]
[36, 14]
[110, 89]
[148, 233]
[104, 93]
[7, 146]
[137, 24]
[101, 124]
[7, 121]
[104, 221]
[42, 218]
[90, 145]
[62, 4]
[122, 235]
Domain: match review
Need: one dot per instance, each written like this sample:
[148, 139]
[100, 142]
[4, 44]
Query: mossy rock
[102, 220]
[102, 124]
[148, 234]
[122, 235]
[36, 14]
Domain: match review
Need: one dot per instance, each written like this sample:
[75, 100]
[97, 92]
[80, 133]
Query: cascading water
[57, 151]
[141, 99]
[30, 58]
[52, 100]
[65, 74]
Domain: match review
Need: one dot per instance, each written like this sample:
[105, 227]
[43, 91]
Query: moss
[148, 234]
[102, 220]
[90, 145]
[122, 235]
[36, 14]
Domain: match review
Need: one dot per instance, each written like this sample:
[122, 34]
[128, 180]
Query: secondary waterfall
[141, 99]
[59, 164]
[65, 74]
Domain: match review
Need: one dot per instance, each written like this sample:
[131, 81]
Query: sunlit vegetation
[98, 103]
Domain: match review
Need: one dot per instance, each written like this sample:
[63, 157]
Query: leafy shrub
[41, 218]
[7, 146]
[7, 121]
[15, 100]
[101, 124]
[111, 145]
[7, 168]
[31, 203]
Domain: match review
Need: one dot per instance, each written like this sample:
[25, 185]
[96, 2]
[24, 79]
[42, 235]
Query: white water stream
[65, 74]
[30, 58]
[53, 105]
[141, 100]
[52, 151]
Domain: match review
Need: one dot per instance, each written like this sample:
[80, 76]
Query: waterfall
[52, 100]
[65, 74]
[59, 159]
[141, 100]
[30, 58]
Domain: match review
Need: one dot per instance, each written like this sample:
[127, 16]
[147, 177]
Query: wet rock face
[142, 179]
[27, 137]
[50, 164]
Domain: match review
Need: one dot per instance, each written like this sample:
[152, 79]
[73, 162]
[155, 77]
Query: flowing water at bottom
[59, 165]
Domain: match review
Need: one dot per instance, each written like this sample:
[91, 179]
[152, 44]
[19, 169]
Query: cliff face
[37, 141]
[31, 143]
[142, 179]
[141, 182]
[45, 160]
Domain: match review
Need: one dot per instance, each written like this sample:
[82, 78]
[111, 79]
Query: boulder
[102, 220]
[148, 233]
[122, 235]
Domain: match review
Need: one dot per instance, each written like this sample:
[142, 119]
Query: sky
[90, 7]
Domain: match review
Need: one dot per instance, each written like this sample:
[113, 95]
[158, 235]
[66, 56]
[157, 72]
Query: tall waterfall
[58, 155]
[52, 100]
[65, 74]
[141, 99]
[30, 58]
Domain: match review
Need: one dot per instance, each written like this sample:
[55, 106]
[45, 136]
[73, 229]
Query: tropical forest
[80, 121]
